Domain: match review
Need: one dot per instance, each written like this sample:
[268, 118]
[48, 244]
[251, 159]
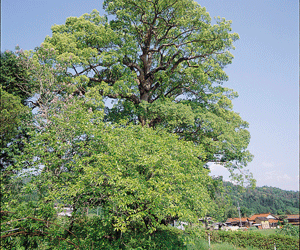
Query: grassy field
[266, 231]
[225, 246]
[259, 237]
[203, 245]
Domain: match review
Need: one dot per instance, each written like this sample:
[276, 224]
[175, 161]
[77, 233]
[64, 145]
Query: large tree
[162, 62]
[141, 160]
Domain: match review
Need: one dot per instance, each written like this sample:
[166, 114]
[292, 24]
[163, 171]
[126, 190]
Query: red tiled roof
[273, 221]
[293, 216]
[262, 218]
[258, 215]
[229, 220]
[235, 219]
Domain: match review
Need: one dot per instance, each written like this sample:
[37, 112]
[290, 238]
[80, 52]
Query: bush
[289, 229]
[94, 233]
[246, 239]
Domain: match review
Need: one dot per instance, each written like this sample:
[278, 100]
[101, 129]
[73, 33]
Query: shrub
[289, 229]
[246, 239]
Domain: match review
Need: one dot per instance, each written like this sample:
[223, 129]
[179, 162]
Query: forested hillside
[262, 200]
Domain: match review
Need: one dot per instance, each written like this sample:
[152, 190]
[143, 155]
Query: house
[273, 220]
[268, 216]
[263, 222]
[67, 211]
[216, 226]
[236, 222]
[273, 223]
[293, 219]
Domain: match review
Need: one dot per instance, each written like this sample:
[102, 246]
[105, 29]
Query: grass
[203, 245]
[225, 246]
[266, 231]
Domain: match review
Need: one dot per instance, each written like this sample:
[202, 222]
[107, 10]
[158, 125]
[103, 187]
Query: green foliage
[163, 64]
[12, 112]
[265, 231]
[163, 238]
[143, 175]
[262, 200]
[289, 229]
[15, 118]
[221, 205]
[142, 162]
[222, 246]
[14, 77]
[140, 177]
[245, 239]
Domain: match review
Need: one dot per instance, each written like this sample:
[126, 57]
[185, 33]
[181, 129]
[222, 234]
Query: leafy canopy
[14, 115]
[141, 178]
[162, 62]
[136, 174]
[142, 161]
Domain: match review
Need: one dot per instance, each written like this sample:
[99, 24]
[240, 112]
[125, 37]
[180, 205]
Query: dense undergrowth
[92, 233]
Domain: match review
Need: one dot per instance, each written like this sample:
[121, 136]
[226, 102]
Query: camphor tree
[162, 62]
[142, 160]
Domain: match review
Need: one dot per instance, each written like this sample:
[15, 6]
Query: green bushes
[254, 239]
[289, 229]
[95, 233]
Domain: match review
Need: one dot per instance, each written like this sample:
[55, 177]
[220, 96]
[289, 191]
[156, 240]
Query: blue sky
[264, 72]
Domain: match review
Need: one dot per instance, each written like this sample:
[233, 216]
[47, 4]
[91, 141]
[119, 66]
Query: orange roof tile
[236, 219]
[273, 221]
[229, 220]
[293, 216]
[258, 215]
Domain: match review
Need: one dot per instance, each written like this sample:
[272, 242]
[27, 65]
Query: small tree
[140, 177]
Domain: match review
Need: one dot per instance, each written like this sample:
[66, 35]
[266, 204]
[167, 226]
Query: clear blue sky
[264, 72]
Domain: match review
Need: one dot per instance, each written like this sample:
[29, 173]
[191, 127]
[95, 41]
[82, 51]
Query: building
[268, 216]
[273, 223]
[263, 222]
[293, 219]
[272, 220]
[231, 222]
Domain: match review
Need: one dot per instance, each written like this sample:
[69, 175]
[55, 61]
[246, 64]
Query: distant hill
[262, 200]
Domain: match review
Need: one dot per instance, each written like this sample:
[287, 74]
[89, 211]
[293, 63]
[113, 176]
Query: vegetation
[14, 77]
[15, 118]
[261, 200]
[142, 161]
[257, 240]
[163, 68]
[289, 229]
